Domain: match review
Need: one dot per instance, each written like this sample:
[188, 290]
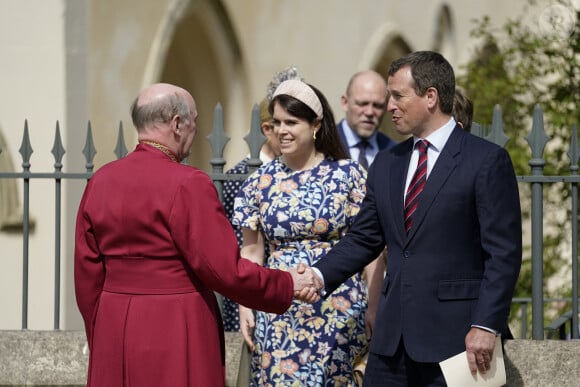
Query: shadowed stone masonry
[59, 358]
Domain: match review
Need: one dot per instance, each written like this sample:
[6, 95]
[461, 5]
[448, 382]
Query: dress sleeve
[357, 177]
[246, 204]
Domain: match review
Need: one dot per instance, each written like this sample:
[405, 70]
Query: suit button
[406, 254]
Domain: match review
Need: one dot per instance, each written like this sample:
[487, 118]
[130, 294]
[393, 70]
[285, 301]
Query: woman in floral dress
[300, 205]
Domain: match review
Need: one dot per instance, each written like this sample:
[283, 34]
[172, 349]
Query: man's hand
[307, 285]
[479, 345]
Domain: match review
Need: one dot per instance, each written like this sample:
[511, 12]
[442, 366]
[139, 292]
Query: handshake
[307, 284]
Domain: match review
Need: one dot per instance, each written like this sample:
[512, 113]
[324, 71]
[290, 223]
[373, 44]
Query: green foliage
[518, 66]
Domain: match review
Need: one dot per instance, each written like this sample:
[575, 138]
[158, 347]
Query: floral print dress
[302, 215]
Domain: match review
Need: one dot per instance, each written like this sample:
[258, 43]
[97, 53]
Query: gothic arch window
[444, 36]
[393, 47]
[196, 48]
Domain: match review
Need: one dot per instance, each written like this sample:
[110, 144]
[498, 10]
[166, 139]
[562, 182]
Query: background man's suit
[383, 140]
[459, 263]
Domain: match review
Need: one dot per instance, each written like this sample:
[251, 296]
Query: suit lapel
[446, 163]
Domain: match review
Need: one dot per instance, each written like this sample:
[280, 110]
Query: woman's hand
[247, 325]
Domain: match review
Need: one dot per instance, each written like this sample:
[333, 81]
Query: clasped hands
[307, 284]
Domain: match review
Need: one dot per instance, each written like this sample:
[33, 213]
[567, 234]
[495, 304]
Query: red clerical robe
[152, 245]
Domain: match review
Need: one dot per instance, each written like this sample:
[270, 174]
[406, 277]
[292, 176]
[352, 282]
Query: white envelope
[457, 374]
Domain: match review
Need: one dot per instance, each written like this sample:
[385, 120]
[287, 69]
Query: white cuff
[322, 291]
[487, 329]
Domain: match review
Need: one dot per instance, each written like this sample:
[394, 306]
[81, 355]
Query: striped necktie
[416, 185]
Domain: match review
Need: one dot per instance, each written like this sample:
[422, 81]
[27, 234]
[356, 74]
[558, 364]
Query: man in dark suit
[454, 255]
[364, 105]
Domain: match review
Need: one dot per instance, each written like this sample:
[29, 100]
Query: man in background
[364, 105]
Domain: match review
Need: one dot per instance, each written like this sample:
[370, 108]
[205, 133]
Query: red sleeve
[204, 236]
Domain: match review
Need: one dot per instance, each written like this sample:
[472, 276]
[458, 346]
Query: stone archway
[196, 48]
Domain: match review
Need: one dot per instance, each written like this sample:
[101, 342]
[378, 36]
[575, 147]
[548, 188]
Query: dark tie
[416, 185]
[362, 153]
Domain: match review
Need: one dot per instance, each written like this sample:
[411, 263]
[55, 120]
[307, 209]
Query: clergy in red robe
[152, 245]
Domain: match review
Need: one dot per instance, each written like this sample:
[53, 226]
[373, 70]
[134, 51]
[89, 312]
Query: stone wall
[59, 358]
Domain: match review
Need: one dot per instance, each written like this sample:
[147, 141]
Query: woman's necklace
[161, 147]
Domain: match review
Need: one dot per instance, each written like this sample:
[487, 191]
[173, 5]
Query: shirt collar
[439, 137]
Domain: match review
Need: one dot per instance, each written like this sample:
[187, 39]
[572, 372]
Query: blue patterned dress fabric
[302, 215]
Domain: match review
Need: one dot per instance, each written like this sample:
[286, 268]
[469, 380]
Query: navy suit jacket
[459, 263]
[383, 140]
